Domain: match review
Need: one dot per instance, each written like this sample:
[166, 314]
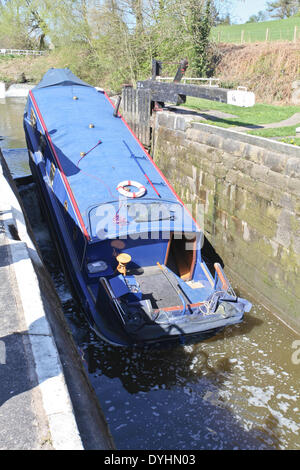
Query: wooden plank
[136, 110]
[174, 92]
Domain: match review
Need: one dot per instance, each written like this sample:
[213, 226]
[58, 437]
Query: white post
[295, 34]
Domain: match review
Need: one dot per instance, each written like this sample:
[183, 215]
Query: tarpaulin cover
[63, 77]
[96, 150]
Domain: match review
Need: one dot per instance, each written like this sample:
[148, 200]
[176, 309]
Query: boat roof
[96, 150]
[62, 77]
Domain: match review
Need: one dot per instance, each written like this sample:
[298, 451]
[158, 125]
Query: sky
[241, 10]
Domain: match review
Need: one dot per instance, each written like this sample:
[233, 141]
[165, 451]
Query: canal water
[237, 390]
[12, 138]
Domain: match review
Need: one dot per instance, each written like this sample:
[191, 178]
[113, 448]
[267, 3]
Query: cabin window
[33, 118]
[42, 143]
[151, 212]
[52, 173]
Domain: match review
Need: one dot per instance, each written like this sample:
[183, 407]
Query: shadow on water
[171, 390]
[176, 390]
[189, 396]
[142, 370]
[210, 256]
[165, 397]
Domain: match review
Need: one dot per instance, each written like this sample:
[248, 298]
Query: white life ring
[125, 192]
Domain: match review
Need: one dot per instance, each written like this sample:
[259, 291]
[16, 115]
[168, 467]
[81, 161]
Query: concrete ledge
[56, 400]
[167, 119]
[17, 90]
[91, 423]
[268, 144]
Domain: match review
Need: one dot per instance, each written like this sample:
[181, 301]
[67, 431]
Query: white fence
[213, 82]
[20, 52]
[240, 36]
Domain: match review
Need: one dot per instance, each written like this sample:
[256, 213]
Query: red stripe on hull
[68, 188]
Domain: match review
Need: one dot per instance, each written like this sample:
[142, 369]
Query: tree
[200, 26]
[37, 24]
[226, 20]
[283, 8]
[261, 16]
[111, 42]
[15, 25]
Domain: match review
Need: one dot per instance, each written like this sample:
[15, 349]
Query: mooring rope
[85, 153]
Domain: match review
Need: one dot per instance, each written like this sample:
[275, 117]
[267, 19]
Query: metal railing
[21, 52]
[212, 82]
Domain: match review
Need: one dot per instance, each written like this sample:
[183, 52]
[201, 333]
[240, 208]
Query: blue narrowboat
[130, 246]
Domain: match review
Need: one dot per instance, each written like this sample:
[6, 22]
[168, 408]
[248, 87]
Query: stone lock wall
[250, 190]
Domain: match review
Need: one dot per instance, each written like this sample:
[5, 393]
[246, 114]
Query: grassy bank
[251, 119]
[267, 69]
[85, 65]
[277, 30]
[255, 115]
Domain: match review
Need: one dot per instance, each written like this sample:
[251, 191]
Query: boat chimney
[117, 106]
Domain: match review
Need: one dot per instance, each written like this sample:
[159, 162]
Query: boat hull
[75, 279]
[117, 304]
[189, 331]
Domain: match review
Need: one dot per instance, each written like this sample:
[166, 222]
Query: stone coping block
[167, 119]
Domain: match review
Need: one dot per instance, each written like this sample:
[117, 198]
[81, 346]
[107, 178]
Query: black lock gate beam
[177, 92]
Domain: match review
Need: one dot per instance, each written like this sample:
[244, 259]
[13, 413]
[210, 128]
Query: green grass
[282, 134]
[292, 141]
[247, 117]
[6, 57]
[256, 32]
[255, 115]
[276, 131]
